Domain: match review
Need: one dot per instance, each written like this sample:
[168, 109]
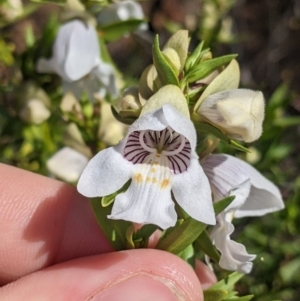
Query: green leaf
[222, 204]
[210, 129]
[108, 199]
[165, 72]
[114, 230]
[204, 243]
[188, 255]
[245, 298]
[180, 237]
[193, 58]
[141, 236]
[207, 67]
[214, 295]
[228, 283]
[115, 31]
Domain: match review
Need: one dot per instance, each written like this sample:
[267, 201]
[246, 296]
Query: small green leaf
[177, 238]
[129, 237]
[108, 199]
[59, 2]
[145, 231]
[180, 237]
[188, 255]
[204, 243]
[165, 72]
[194, 57]
[223, 204]
[238, 146]
[214, 295]
[114, 230]
[210, 129]
[244, 298]
[115, 31]
[228, 283]
[207, 67]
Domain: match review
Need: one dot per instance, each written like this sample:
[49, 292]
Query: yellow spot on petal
[154, 180]
[164, 184]
[155, 163]
[152, 170]
[148, 179]
[158, 155]
[138, 178]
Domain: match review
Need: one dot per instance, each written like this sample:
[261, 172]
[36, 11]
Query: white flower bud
[130, 99]
[34, 112]
[67, 164]
[239, 113]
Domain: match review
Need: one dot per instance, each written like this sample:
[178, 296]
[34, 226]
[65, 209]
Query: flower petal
[107, 172]
[106, 75]
[82, 52]
[180, 124]
[234, 256]
[192, 192]
[148, 199]
[226, 172]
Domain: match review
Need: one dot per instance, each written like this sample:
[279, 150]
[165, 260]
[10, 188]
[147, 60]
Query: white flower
[67, 164]
[76, 59]
[254, 196]
[158, 155]
[121, 11]
[35, 111]
[239, 112]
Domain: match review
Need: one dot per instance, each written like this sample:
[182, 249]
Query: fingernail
[140, 287]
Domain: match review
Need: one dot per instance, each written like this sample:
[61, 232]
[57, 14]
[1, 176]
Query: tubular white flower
[158, 155]
[76, 59]
[238, 112]
[255, 196]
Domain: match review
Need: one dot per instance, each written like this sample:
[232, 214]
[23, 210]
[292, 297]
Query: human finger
[134, 275]
[43, 222]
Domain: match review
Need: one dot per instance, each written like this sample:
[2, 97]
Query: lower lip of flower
[165, 148]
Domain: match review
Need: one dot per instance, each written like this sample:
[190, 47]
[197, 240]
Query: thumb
[133, 275]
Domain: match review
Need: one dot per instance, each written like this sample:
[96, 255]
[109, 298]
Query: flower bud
[34, 112]
[238, 112]
[130, 99]
[67, 164]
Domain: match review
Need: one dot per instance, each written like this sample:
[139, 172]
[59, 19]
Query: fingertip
[205, 275]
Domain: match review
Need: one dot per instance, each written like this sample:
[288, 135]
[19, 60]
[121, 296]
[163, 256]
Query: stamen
[175, 151]
[144, 145]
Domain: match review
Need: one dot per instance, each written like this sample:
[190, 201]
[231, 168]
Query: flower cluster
[158, 154]
[159, 173]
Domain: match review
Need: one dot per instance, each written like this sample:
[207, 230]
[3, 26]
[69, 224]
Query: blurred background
[266, 36]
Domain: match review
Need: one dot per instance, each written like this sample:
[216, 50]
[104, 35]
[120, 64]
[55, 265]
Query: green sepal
[207, 67]
[129, 237]
[214, 295]
[125, 120]
[177, 238]
[194, 57]
[165, 72]
[115, 31]
[114, 230]
[210, 129]
[204, 243]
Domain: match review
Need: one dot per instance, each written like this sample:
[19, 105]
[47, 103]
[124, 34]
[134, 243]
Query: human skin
[52, 249]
